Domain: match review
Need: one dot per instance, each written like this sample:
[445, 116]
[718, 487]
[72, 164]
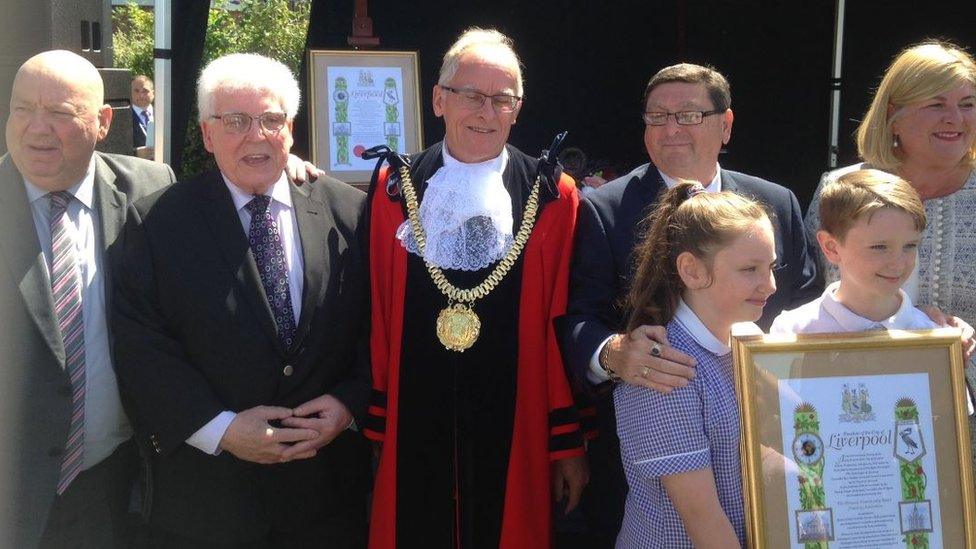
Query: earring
[894, 142]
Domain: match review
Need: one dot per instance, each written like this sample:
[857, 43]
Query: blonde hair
[489, 42]
[862, 193]
[684, 219]
[918, 73]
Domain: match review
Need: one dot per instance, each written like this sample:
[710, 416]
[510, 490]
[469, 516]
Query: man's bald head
[57, 115]
[69, 68]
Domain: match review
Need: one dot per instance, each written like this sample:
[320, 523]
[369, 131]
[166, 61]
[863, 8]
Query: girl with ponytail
[705, 263]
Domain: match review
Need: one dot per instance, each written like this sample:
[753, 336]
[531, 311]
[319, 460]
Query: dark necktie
[66, 289]
[145, 119]
[269, 254]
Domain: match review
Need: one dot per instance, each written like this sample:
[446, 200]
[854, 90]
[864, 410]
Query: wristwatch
[604, 359]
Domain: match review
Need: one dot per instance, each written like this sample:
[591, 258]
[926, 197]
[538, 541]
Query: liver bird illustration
[906, 435]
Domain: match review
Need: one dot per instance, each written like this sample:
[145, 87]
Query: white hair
[491, 44]
[247, 71]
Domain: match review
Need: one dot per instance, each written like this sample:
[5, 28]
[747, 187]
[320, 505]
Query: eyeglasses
[472, 99]
[683, 118]
[240, 122]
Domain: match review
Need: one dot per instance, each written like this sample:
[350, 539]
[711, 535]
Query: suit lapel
[22, 255]
[650, 184]
[728, 182]
[316, 229]
[225, 223]
[110, 206]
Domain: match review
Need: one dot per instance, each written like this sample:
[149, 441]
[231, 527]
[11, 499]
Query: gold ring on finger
[269, 432]
[645, 371]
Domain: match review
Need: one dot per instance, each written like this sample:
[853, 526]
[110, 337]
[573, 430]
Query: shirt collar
[139, 109]
[83, 191]
[697, 330]
[280, 192]
[714, 186]
[496, 164]
[852, 322]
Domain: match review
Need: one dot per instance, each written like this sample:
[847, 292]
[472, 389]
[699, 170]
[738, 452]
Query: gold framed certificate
[360, 99]
[855, 440]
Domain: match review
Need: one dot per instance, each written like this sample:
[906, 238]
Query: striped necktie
[66, 288]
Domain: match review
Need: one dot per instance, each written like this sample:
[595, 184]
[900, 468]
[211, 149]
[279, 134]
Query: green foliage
[275, 28]
[133, 39]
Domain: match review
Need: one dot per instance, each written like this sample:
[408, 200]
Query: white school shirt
[825, 314]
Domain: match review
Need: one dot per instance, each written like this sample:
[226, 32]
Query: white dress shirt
[713, 186]
[207, 438]
[825, 314]
[106, 426]
[596, 375]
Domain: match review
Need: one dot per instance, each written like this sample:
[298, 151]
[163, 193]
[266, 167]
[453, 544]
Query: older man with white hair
[241, 320]
[67, 463]
[469, 254]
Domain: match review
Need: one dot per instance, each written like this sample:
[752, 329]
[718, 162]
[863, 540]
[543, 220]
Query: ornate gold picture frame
[855, 440]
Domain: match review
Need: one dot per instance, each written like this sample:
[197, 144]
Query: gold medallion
[458, 327]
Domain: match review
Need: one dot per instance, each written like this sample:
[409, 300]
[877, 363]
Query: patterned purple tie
[265, 241]
[66, 288]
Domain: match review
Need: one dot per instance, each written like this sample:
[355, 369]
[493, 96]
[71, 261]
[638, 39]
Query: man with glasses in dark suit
[688, 119]
[241, 319]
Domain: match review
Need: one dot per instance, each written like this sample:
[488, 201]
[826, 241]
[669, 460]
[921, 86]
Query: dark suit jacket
[196, 336]
[138, 130]
[605, 238]
[35, 394]
[606, 232]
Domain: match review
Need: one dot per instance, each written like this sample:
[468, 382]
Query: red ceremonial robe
[545, 414]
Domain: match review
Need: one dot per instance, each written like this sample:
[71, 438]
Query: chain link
[453, 293]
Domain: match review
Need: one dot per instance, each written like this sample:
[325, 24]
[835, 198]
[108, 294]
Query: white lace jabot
[466, 214]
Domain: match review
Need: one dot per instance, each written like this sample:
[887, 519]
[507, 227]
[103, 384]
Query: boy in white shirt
[871, 222]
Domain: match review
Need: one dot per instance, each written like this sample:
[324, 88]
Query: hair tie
[695, 189]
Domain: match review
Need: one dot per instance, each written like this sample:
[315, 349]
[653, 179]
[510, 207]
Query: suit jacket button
[55, 451]
[288, 370]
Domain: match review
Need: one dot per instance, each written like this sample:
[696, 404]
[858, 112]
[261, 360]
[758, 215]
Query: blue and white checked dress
[693, 427]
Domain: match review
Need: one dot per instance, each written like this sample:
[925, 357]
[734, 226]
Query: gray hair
[489, 42]
[247, 71]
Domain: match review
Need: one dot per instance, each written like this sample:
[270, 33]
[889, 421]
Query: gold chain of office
[458, 326]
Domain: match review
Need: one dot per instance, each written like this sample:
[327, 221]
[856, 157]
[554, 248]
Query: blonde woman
[921, 126]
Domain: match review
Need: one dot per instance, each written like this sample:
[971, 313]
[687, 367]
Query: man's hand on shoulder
[251, 437]
[326, 416]
[968, 334]
[300, 171]
[644, 357]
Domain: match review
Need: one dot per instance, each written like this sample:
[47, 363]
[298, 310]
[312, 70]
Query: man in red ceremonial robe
[469, 256]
